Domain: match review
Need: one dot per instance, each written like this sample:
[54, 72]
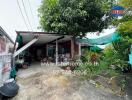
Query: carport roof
[32, 32]
[44, 37]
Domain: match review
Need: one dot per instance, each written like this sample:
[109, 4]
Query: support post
[79, 48]
[72, 48]
[47, 50]
[56, 52]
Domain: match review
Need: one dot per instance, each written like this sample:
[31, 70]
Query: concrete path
[128, 89]
[55, 84]
[36, 68]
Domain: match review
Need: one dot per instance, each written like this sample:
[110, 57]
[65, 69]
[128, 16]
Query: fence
[5, 67]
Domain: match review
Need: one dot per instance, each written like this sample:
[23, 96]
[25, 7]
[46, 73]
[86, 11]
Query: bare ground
[59, 86]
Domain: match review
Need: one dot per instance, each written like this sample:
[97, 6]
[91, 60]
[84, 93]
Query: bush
[114, 59]
[109, 63]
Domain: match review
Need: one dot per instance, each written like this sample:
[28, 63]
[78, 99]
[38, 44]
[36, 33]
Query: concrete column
[72, 48]
[47, 50]
[56, 52]
[79, 48]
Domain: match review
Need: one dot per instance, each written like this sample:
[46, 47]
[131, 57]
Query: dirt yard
[59, 86]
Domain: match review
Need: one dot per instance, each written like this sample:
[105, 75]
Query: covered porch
[44, 47]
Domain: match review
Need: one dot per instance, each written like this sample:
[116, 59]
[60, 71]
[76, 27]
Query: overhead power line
[31, 11]
[27, 15]
[22, 15]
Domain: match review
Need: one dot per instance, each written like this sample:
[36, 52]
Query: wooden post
[56, 52]
[79, 48]
[47, 50]
[72, 48]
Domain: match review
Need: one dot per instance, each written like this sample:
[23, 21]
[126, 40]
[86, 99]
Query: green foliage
[74, 17]
[122, 46]
[105, 60]
[126, 3]
[126, 27]
[125, 24]
[89, 69]
[114, 58]
[92, 70]
[86, 55]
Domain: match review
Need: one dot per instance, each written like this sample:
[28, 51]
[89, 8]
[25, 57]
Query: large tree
[125, 29]
[74, 17]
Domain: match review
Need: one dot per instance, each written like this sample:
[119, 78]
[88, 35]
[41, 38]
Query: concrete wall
[2, 44]
[5, 45]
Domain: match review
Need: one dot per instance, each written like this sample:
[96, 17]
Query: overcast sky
[11, 19]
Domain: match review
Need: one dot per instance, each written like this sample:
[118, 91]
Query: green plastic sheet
[100, 41]
[95, 48]
[20, 41]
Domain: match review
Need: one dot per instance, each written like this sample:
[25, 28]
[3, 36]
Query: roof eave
[5, 34]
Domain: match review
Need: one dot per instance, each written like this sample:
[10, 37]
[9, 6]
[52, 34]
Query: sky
[103, 33]
[11, 19]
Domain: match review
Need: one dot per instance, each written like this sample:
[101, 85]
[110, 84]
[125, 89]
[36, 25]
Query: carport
[34, 40]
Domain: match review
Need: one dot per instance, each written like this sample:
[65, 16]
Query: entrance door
[51, 51]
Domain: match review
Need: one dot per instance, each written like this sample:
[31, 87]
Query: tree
[126, 21]
[126, 3]
[125, 29]
[74, 17]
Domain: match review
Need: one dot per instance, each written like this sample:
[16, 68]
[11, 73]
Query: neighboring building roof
[2, 32]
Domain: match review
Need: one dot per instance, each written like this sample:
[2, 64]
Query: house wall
[5, 45]
[76, 49]
[2, 44]
[68, 45]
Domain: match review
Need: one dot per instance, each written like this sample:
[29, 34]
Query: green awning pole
[131, 49]
[130, 56]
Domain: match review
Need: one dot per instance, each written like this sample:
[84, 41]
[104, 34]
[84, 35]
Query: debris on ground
[41, 86]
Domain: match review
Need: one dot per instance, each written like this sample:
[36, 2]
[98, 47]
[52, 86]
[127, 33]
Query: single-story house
[6, 43]
[6, 48]
[39, 46]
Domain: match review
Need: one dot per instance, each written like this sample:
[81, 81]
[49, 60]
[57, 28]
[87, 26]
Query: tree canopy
[74, 17]
[126, 3]
[125, 29]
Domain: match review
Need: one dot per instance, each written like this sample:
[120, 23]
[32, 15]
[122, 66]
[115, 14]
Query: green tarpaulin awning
[19, 40]
[100, 41]
[95, 48]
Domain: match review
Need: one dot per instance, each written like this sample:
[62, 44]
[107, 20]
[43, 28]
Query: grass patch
[92, 70]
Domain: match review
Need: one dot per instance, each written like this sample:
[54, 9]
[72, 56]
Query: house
[6, 43]
[44, 46]
[6, 47]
